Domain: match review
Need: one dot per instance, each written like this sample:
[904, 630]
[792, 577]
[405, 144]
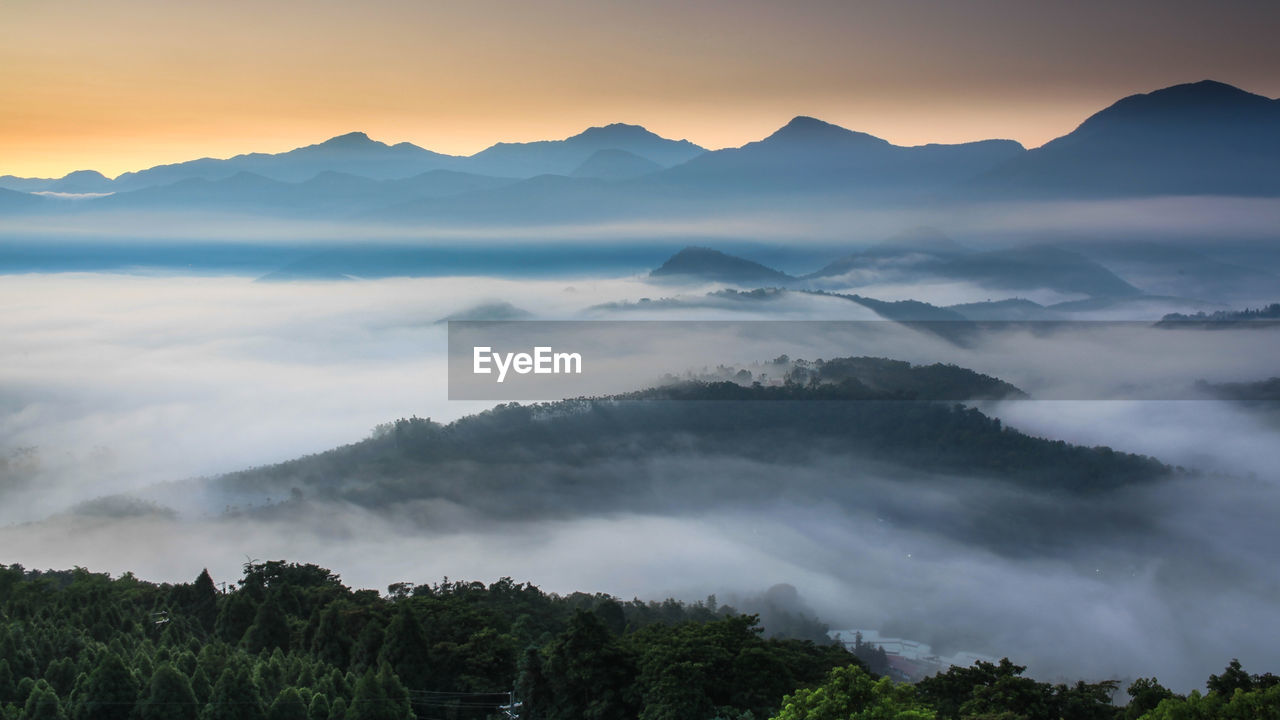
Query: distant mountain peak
[84, 175]
[622, 134]
[808, 123]
[805, 129]
[351, 140]
[617, 130]
[1202, 90]
[1205, 96]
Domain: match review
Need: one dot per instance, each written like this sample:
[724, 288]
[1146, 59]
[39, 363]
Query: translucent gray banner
[548, 360]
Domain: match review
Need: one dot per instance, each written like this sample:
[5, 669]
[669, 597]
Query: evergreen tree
[43, 704]
[319, 709]
[269, 675]
[398, 705]
[60, 674]
[200, 686]
[234, 696]
[236, 613]
[332, 641]
[169, 696]
[588, 673]
[380, 696]
[204, 602]
[405, 648]
[364, 655]
[111, 692]
[288, 705]
[270, 628]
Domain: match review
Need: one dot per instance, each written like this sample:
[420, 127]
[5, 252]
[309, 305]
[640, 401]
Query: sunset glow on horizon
[136, 83]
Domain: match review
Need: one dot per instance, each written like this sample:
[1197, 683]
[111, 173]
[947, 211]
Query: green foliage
[1233, 695]
[79, 645]
[288, 705]
[405, 647]
[319, 708]
[1144, 695]
[380, 696]
[852, 694]
[270, 628]
[589, 673]
[111, 692]
[43, 704]
[998, 690]
[169, 696]
[235, 696]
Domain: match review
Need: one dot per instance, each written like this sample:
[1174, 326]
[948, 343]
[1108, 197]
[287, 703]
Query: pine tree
[169, 696]
[365, 653]
[200, 686]
[111, 692]
[269, 675]
[405, 648]
[288, 705]
[332, 642]
[319, 709]
[234, 696]
[380, 696]
[43, 704]
[204, 601]
[270, 628]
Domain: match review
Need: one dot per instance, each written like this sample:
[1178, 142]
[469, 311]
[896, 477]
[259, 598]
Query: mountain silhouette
[355, 153]
[1199, 138]
[712, 265]
[562, 157]
[81, 181]
[1204, 138]
[808, 154]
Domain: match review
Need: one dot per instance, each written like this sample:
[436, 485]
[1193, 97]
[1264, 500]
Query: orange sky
[127, 84]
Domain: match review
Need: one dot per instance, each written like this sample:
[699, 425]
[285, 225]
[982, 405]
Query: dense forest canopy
[290, 641]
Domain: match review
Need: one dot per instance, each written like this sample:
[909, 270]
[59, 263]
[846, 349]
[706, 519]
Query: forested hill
[597, 454]
[291, 642]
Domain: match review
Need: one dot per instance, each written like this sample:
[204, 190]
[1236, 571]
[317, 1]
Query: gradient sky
[127, 84]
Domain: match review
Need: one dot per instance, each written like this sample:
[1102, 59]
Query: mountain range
[1204, 138]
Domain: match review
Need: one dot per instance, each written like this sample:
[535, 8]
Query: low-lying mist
[137, 384]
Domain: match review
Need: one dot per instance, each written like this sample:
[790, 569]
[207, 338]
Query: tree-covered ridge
[581, 455]
[998, 691]
[1270, 312]
[846, 378]
[291, 641]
